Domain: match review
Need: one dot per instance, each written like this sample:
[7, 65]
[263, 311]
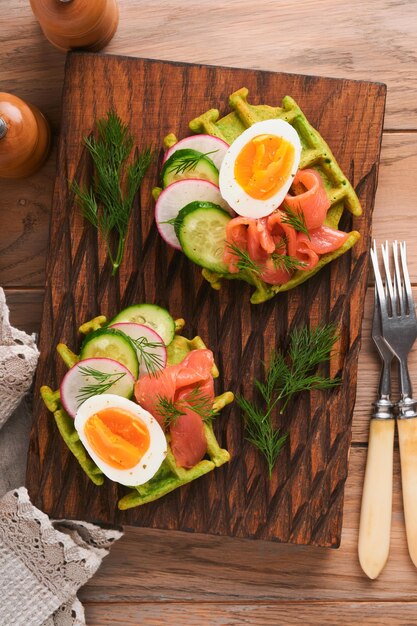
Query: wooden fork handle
[376, 509]
[407, 436]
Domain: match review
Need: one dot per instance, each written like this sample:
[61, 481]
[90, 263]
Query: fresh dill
[168, 410]
[244, 261]
[148, 355]
[107, 203]
[174, 221]
[261, 432]
[199, 402]
[280, 261]
[295, 219]
[102, 382]
[188, 162]
[286, 376]
[286, 262]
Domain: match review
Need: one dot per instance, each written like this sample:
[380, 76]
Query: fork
[399, 329]
[376, 507]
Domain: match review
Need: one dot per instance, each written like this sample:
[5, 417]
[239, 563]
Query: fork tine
[398, 283]
[378, 282]
[407, 282]
[388, 280]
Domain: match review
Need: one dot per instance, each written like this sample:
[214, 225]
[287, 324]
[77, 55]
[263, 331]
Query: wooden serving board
[304, 500]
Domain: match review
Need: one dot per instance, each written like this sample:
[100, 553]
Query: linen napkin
[43, 562]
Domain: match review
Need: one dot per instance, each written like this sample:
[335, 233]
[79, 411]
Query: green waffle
[315, 154]
[169, 475]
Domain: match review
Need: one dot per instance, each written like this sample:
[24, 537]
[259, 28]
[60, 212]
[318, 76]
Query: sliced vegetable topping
[213, 147]
[91, 377]
[189, 164]
[150, 315]
[177, 196]
[202, 234]
[150, 347]
[112, 344]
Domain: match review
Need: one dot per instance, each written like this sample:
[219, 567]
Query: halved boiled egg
[259, 167]
[125, 441]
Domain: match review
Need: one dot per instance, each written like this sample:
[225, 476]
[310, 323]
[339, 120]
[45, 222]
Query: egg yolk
[263, 165]
[118, 437]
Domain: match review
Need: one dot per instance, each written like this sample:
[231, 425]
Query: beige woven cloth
[43, 563]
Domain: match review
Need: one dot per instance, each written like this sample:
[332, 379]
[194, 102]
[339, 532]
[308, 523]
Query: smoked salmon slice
[313, 202]
[273, 235]
[176, 384]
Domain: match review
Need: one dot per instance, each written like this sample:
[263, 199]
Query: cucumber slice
[150, 348]
[201, 229]
[93, 377]
[213, 147]
[150, 315]
[178, 195]
[111, 344]
[189, 164]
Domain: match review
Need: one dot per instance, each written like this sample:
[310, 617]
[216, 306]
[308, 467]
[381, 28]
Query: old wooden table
[154, 577]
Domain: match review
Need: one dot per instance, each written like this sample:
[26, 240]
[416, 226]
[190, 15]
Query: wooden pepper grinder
[70, 24]
[24, 137]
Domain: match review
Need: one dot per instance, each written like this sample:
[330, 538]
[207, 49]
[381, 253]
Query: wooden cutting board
[303, 503]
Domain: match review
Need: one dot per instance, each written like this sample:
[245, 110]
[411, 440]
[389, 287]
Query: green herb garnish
[107, 204]
[196, 400]
[295, 219]
[168, 410]
[152, 361]
[244, 261]
[286, 262]
[280, 261]
[102, 385]
[189, 162]
[201, 404]
[285, 377]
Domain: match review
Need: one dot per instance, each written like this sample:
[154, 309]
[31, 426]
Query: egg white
[230, 189]
[153, 457]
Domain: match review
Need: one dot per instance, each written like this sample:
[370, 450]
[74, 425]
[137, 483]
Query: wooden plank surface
[256, 614]
[304, 501]
[368, 40]
[183, 567]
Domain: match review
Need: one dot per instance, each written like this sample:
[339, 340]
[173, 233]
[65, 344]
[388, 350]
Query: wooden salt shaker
[24, 137]
[71, 24]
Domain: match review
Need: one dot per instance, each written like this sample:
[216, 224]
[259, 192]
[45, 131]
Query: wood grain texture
[303, 502]
[257, 614]
[366, 41]
[159, 566]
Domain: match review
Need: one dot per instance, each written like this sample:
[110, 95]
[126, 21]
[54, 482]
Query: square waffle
[169, 476]
[315, 154]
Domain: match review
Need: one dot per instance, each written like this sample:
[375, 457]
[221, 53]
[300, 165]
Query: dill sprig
[280, 261]
[286, 262]
[170, 410]
[201, 404]
[244, 261]
[189, 162]
[295, 219]
[107, 203]
[261, 433]
[284, 378]
[148, 355]
[103, 382]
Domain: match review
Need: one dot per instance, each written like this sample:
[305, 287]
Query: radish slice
[202, 143]
[92, 377]
[150, 347]
[178, 195]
